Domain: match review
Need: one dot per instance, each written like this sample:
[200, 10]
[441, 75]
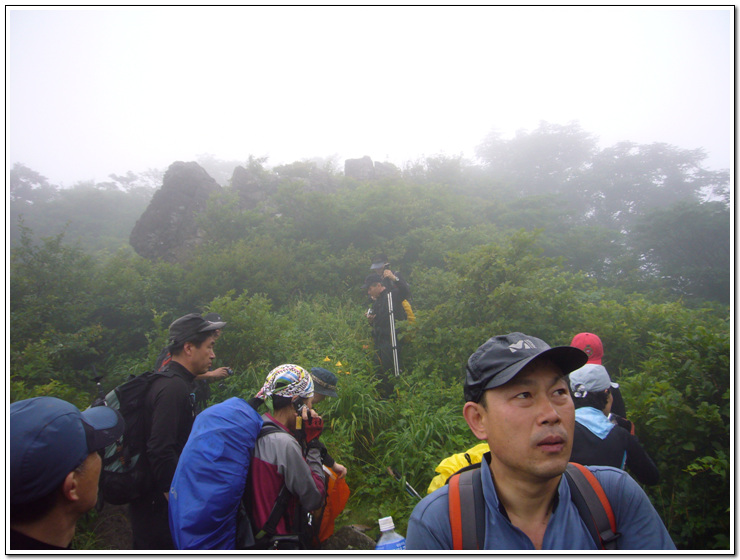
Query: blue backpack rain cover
[211, 475]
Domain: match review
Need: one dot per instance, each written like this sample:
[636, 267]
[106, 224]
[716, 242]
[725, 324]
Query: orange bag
[337, 494]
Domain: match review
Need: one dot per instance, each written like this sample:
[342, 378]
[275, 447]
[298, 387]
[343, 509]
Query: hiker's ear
[70, 487]
[474, 414]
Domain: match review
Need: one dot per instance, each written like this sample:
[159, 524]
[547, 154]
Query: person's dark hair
[197, 340]
[595, 400]
[279, 402]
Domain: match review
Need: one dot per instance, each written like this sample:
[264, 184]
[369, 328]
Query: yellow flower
[338, 364]
[327, 359]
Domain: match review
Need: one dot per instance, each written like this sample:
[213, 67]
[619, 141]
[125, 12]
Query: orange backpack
[337, 494]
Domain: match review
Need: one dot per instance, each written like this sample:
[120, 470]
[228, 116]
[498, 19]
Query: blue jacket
[639, 524]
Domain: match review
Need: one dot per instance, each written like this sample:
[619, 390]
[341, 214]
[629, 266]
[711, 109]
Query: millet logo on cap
[521, 345]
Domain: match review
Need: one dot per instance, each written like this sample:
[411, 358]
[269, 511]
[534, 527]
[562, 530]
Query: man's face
[529, 423]
[202, 356]
[375, 290]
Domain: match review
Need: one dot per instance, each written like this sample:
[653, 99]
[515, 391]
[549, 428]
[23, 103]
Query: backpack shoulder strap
[593, 506]
[466, 508]
[268, 429]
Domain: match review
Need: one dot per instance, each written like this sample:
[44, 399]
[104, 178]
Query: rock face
[167, 229]
[385, 169]
[348, 537]
[365, 170]
[361, 168]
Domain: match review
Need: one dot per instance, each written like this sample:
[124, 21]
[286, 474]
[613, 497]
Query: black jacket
[590, 449]
[381, 322]
[169, 412]
[21, 541]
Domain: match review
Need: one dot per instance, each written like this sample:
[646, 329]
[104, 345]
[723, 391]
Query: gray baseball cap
[590, 378]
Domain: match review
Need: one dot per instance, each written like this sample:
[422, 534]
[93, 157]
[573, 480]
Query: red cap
[591, 345]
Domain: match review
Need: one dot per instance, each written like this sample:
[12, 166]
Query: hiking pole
[100, 399]
[409, 489]
[394, 347]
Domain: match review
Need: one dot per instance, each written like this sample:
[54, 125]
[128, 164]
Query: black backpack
[125, 476]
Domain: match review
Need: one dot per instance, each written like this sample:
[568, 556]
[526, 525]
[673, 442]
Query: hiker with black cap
[54, 468]
[598, 438]
[202, 390]
[169, 414]
[516, 388]
[390, 279]
[386, 309]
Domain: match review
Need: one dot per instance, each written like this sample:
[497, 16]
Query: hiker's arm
[329, 461]
[326, 459]
[401, 289]
[304, 478]
[640, 464]
[218, 373]
[340, 469]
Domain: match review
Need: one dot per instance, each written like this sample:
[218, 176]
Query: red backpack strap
[467, 512]
[593, 505]
[455, 513]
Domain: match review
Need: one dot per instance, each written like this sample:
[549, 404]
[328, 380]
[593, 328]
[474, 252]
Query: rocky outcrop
[365, 170]
[361, 168]
[167, 229]
[385, 170]
[349, 537]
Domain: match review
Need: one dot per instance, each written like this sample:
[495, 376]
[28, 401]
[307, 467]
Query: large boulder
[365, 170]
[167, 229]
[386, 170]
[361, 168]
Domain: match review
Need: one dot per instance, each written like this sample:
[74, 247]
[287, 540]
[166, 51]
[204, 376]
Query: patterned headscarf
[287, 380]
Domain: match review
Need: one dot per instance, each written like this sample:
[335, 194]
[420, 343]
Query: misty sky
[95, 91]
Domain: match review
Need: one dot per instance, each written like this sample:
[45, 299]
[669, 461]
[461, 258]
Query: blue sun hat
[49, 438]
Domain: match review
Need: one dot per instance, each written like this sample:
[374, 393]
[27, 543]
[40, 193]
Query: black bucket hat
[324, 382]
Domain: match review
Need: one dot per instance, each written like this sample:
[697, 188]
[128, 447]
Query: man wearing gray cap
[516, 388]
[54, 468]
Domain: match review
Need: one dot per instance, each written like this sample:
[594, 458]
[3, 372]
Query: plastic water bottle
[389, 539]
